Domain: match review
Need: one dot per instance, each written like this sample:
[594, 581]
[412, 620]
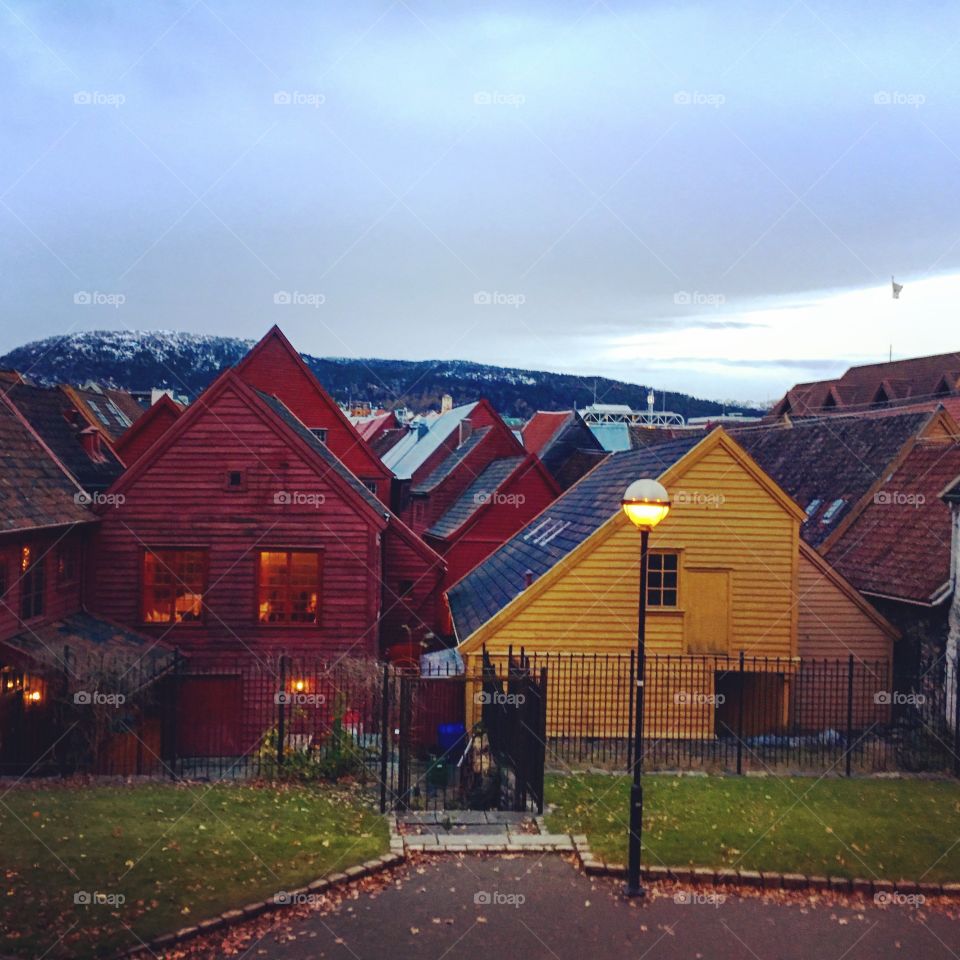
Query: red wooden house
[466, 484]
[275, 367]
[240, 532]
[147, 429]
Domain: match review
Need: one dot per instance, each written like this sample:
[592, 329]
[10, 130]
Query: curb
[880, 890]
[279, 901]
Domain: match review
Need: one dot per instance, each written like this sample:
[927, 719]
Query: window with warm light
[663, 571]
[173, 585]
[288, 587]
[33, 583]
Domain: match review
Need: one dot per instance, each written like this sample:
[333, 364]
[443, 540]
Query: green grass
[890, 829]
[177, 854]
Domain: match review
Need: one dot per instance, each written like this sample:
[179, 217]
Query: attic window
[320, 433]
[122, 418]
[813, 506]
[101, 416]
[371, 485]
[235, 480]
[830, 402]
[880, 397]
[832, 510]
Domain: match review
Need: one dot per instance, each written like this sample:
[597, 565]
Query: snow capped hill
[187, 362]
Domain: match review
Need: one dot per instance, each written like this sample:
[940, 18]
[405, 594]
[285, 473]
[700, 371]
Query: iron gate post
[281, 710]
[740, 717]
[384, 735]
[849, 757]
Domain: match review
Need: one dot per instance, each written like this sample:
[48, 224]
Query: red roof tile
[542, 427]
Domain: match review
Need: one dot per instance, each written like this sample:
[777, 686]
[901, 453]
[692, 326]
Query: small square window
[235, 480]
[405, 589]
[320, 433]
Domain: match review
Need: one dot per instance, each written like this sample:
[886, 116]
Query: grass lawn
[175, 853]
[890, 829]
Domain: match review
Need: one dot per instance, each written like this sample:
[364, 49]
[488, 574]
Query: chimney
[446, 403]
[92, 447]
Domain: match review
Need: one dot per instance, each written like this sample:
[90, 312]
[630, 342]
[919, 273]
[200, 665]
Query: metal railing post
[849, 758]
[281, 710]
[740, 717]
[384, 736]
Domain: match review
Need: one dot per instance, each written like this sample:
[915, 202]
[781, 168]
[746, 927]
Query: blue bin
[451, 738]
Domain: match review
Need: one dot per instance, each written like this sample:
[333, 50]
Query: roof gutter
[935, 599]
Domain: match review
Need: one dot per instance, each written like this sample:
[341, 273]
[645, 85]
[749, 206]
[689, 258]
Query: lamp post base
[632, 892]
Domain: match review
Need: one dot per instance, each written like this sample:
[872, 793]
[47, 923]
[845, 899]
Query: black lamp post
[645, 503]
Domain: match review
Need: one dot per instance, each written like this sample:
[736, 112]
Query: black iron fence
[733, 714]
[481, 736]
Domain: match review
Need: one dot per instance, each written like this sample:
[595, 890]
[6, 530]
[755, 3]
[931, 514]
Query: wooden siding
[180, 500]
[723, 519]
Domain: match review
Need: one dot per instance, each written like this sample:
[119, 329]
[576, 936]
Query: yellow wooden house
[729, 574]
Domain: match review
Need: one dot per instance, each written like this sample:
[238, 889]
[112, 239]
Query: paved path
[540, 908]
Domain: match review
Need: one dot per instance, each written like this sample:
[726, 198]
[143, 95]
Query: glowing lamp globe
[646, 503]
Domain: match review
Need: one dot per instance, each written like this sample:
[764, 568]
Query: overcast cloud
[711, 198]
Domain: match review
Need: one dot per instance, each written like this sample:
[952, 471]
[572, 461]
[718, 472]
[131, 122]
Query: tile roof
[319, 447]
[109, 410]
[827, 464]
[487, 483]
[550, 536]
[451, 462]
[542, 428]
[86, 645]
[412, 451]
[50, 412]
[34, 490]
[899, 545]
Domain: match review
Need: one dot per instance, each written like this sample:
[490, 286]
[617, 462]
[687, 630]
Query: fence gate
[465, 742]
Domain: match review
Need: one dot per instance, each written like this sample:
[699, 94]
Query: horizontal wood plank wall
[593, 607]
[409, 617]
[181, 501]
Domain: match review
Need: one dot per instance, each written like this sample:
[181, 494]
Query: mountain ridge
[187, 362]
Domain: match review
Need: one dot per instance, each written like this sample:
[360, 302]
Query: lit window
[33, 584]
[67, 564]
[289, 586]
[173, 583]
[662, 573]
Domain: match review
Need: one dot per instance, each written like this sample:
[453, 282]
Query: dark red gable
[147, 429]
[239, 473]
[275, 367]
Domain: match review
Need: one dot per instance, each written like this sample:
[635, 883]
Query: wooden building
[728, 573]
[240, 532]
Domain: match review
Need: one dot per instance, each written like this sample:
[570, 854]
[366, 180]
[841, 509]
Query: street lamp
[646, 503]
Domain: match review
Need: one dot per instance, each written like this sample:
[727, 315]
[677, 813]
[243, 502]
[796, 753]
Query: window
[832, 511]
[33, 584]
[662, 570]
[320, 433]
[67, 563]
[371, 485]
[405, 589]
[419, 508]
[812, 507]
[235, 481]
[288, 587]
[173, 585]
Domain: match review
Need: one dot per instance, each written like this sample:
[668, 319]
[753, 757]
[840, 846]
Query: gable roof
[555, 532]
[110, 411]
[899, 545]
[543, 428]
[275, 337]
[52, 414]
[412, 451]
[451, 461]
[476, 496]
[164, 409]
[35, 491]
[828, 464]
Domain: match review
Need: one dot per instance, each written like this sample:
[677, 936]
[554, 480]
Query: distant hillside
[188, 362]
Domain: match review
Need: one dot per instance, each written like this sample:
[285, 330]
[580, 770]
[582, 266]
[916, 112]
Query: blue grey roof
[549, 537]
[322, 449]
[410, 453]
[451, 462]
[475, 496]
[612, 436]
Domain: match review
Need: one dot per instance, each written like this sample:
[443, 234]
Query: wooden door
[707, 611]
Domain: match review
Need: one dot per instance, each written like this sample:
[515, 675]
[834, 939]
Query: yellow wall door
[706, 624]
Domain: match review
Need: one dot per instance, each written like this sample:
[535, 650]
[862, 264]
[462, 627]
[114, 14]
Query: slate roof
[834, 460]
[87, 645]
[551, 535]
[487, 482]
[112, 411]
[410, 453]
[34, 490]
[322, 449]
[50, 412]
[451, 462]
[899, 545]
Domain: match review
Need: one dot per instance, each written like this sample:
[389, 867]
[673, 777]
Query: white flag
[897, 287]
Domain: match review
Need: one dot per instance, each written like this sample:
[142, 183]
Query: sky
[707, 197]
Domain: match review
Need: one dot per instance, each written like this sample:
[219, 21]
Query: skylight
[832, 510]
